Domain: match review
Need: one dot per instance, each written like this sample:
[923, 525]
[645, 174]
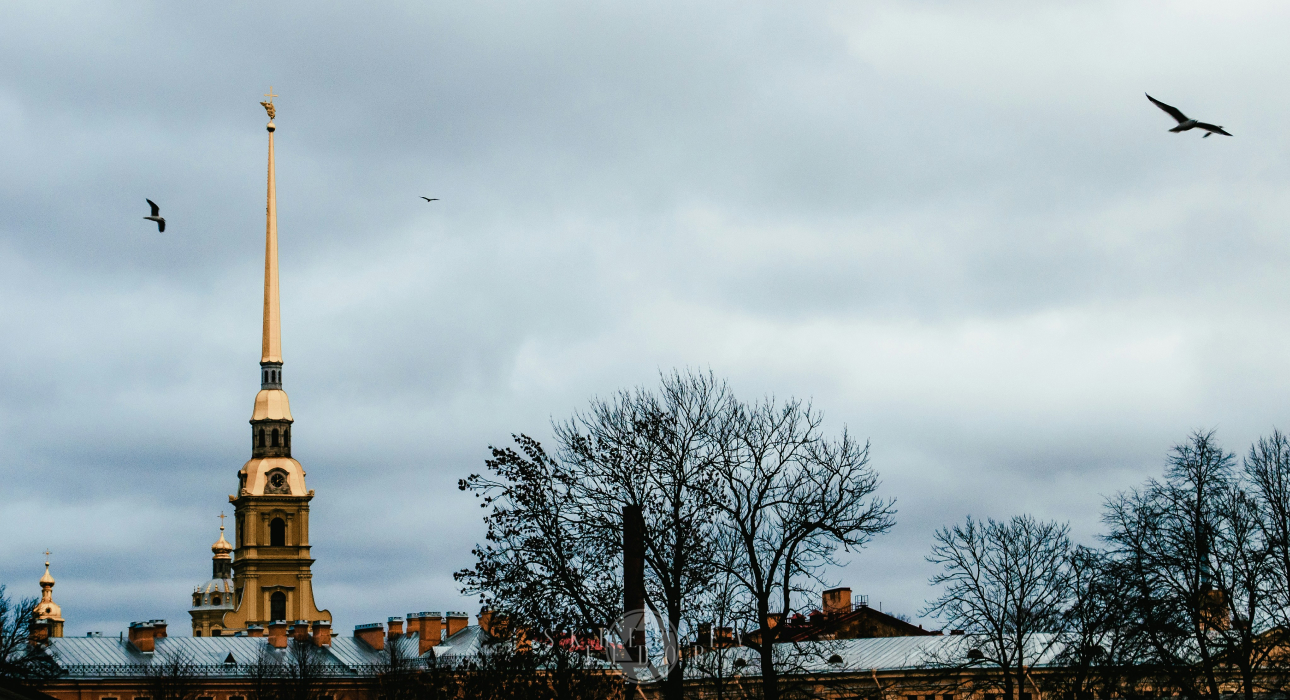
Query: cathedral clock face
[277, 483]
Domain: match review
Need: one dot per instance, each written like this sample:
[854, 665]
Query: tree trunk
[769, 677]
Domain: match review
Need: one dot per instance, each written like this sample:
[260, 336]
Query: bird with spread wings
[1184, 122]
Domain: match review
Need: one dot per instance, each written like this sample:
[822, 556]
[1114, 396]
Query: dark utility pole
[634, 581]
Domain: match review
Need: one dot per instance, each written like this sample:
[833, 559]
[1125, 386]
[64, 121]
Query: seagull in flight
[431, 199]
[1184, 123]
[156, 216]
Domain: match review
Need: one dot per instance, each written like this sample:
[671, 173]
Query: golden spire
[272, 345]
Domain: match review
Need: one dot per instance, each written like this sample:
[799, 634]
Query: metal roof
[93, 657]
[861, 655]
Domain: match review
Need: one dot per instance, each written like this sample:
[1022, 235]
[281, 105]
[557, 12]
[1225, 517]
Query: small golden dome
[222, 548]
[46, 579]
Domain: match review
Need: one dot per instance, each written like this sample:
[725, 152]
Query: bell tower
[271, 559]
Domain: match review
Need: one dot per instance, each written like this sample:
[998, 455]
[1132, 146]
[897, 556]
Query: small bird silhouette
[1184, 123]
[156, 216]
[431, 199]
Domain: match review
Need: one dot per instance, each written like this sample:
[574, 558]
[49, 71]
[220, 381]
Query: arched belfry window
[277, 536]
[275, 437]
[278, 604]
[261, 437]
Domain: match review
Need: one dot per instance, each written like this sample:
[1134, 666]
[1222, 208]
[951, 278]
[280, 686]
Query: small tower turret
[215, 597]
[47, 609]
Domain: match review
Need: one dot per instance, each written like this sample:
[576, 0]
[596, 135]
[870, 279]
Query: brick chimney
[837, 601]
[278, 634]
[723, 637]
[158, 629]
[372, 634]
[322, 633]
[396, 628]
[254, 631]
[39, 632]
[428, 627]
[457, 621]
[141, 637]
[300, 630]
[485, 618]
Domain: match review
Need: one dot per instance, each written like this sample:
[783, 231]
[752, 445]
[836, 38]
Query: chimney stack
[39, 632]
[254, 631]
[428, 627]
[278, 634]
[158, 629]
[837, 601]
[372, 634]
[300, 630]
[396, 628]
[634, 581]
[322, 633]
[457, 621]
[141, 637]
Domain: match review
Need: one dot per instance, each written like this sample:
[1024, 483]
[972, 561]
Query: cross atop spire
[221, 521]
[270, 94]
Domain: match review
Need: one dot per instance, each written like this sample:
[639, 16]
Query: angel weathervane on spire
[268, 106]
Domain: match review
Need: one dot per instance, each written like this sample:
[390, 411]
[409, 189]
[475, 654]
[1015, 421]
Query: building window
[261, 437]
[277, 536]
[196, 633]
[215, 632]
[236, 697]
[197, 599]
[278, 606]
[215, 600]
[275, 437]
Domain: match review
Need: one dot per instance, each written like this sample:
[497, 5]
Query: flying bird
[1185, 123]
[156, 216]
[431, 199]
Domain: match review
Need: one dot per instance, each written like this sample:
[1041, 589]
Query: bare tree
[1267, 470]
[656, 451]
[556, 523]
[544, 565]
[24, 658]
[304, 671]
[172, 675]
[790, 499]
[1098, 655]
[264, 674]
[1005, 583]
[507, 669]
[1188, 547]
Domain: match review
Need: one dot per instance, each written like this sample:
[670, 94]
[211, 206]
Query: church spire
[272, 343]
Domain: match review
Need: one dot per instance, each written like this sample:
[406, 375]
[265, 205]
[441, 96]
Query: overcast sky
[958, 227]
